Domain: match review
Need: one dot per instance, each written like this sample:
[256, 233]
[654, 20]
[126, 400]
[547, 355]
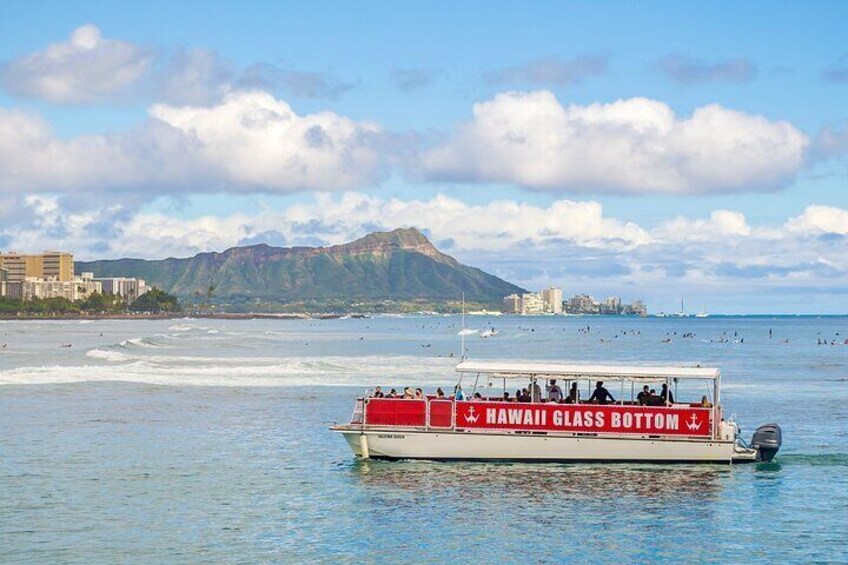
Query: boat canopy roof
[600, 372]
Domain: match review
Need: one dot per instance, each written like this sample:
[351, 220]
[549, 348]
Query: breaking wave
[395, 371]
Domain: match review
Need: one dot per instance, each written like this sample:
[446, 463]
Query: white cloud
[820, 219]
[83, 70]
[631, 146]
[256, 140]
[721, 224]
[248, 142]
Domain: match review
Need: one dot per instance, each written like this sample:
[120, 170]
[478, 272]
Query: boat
[488, 428]
[702, 313]
[491, 332]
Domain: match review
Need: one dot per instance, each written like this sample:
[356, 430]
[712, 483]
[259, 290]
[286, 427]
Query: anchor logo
[694, 424]
[471, 417]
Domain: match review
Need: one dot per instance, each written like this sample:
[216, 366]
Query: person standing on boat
[573, 394]
[601, 395]
[536, 391]
[554, 392]
[457, 393]
[666, 395]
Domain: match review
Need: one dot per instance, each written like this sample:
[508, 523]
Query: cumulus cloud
[250, 141]
[691, 71]
[630, 146]
[86, 69]
[820, 220]
[551, 71]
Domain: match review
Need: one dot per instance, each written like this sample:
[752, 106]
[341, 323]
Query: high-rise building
[552, 298]
[532, 303]
[128, 288]
[50, 265]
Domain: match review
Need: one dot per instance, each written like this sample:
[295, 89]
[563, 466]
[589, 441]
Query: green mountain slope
[397, 265]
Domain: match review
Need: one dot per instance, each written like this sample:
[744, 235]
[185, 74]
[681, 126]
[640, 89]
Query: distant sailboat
[682, 313]
[702, 313]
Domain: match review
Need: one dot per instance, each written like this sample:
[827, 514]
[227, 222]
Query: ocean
[189, 441]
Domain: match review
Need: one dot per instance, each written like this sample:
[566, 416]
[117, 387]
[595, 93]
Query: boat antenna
[462, 332]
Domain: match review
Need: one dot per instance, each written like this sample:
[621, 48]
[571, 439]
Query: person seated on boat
[601, 395]
[524, 396]
[457, 393]
[393, 394]
[666, 395]
[653, 399]
[478, 396]
[440, 393]
[705, 402]
[407, 393]
[573, 395]
[642, 397]
[506, 397]
[378, 393]
[554, 392]
[419, 394]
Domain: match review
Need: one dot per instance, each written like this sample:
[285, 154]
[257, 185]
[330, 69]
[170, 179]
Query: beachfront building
[127, 288]
[611, 305]
[79, 288]
[511, 304]
[552, 298]
[582, 304]
[532, 303]
[53, 265]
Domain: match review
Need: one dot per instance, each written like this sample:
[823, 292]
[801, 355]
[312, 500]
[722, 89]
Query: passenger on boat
[573, 395]
[705, 403]
[601, 395]
[666, 395]
[407, 393]
[506, 397]
[419, 394]
[378, 393]
[524, 396]
[440, 393]
[554, 392]
[478, 396]
[536, 391]
[457, 393]
[393, 394]
[642, 397]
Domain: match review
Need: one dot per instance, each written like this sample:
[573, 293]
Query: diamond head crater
[396, 271]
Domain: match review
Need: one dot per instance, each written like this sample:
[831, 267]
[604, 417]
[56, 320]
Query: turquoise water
[206, 441]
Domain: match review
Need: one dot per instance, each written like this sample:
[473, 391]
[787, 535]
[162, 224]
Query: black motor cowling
[766, 441]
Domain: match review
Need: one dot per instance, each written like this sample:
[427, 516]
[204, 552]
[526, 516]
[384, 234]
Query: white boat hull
[448, 445]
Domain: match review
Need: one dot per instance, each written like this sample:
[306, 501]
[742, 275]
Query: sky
[657, 151]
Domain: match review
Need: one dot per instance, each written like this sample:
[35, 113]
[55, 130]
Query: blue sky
[652, 150]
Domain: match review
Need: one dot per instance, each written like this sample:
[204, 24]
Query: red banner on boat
[587, 418]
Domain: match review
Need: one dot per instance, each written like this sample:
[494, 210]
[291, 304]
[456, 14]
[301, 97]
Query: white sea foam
[114, 356]
[395, 371]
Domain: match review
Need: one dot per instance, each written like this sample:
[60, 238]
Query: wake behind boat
[645, 428]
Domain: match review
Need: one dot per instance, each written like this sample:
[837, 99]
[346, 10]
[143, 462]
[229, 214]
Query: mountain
[398, 265]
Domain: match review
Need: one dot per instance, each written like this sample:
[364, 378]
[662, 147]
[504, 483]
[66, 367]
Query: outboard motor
[766, 441]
